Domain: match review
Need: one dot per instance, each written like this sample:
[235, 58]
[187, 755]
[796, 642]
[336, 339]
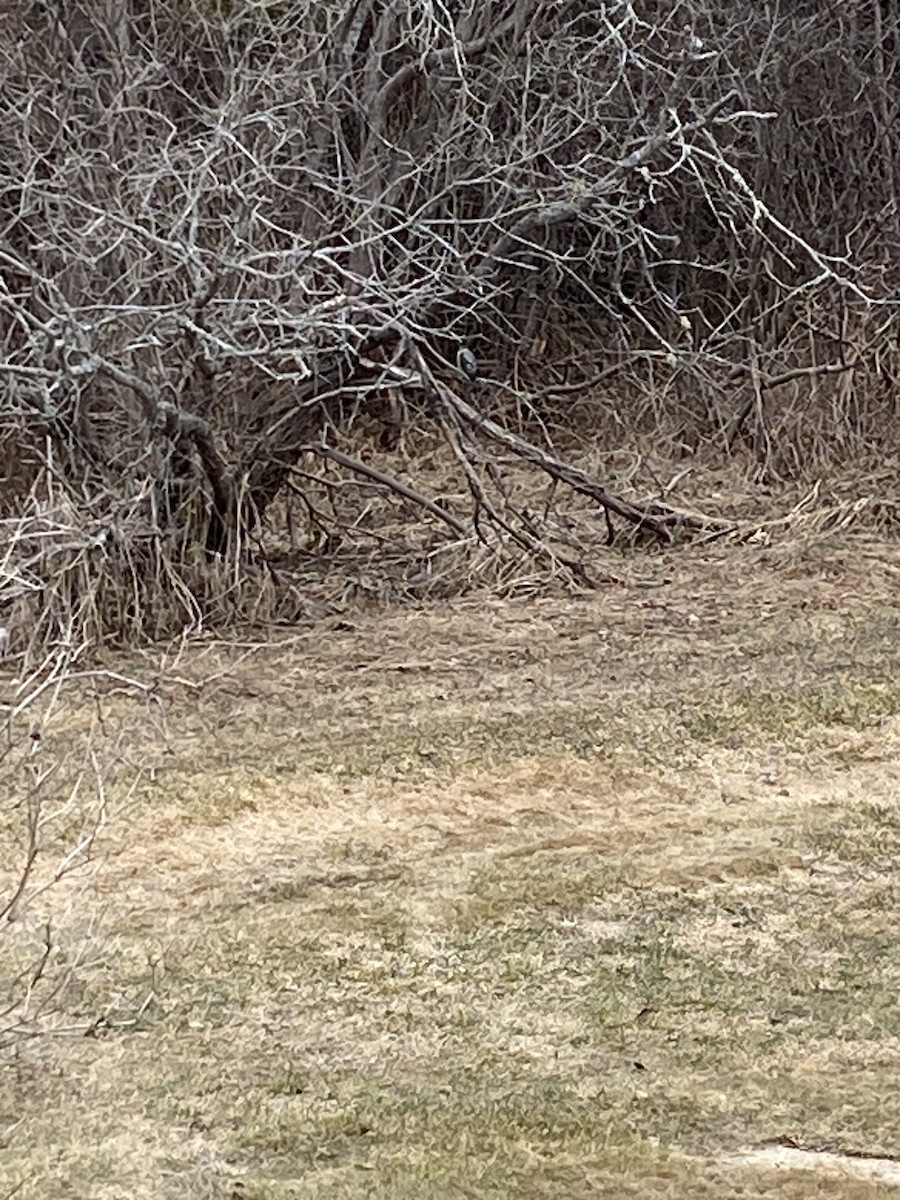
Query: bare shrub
[230, 232]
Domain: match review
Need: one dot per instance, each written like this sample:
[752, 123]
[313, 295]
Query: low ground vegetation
[490, 898]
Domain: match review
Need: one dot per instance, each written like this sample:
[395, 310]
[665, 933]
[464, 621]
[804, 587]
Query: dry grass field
[541, 898]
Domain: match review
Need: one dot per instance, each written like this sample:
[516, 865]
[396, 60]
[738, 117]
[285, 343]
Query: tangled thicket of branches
[230, 230]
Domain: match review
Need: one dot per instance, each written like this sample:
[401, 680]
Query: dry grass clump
[81, 574]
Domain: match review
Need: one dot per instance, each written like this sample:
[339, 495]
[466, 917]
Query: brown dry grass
[496, 899]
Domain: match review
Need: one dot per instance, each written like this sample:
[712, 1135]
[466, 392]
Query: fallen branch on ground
[657, 518]
[395, 485]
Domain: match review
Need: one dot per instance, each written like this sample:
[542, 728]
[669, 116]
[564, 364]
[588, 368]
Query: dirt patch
[792, 1158]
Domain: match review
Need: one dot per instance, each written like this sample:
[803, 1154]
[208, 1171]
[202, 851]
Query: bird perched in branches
[467, 363]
